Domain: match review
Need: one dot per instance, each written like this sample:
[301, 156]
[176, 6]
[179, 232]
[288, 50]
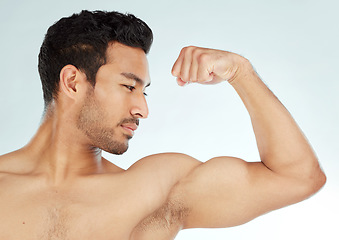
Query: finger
[194, 67]
[181, 82]
[186, 65]
[177, 65]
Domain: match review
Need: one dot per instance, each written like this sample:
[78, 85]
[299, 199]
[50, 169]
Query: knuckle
[188, 49]
[203, 58]
[183, 51]
[196, 51]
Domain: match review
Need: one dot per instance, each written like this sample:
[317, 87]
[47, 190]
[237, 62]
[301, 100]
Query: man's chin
[118, 152]
[117, 148]
[114, 146]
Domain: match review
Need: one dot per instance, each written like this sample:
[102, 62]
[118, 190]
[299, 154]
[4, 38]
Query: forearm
[282, 146]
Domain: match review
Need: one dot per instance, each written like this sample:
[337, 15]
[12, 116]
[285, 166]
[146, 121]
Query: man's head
[82, 40]
[93, 66]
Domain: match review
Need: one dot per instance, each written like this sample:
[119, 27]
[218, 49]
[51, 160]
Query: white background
[292, 44]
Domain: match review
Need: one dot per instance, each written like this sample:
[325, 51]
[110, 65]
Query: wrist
[244, 70]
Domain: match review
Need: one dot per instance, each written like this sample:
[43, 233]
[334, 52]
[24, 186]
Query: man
[94, 73]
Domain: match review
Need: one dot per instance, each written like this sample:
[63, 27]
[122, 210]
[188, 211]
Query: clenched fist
[206, 66]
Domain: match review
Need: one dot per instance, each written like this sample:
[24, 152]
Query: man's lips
[129, 127]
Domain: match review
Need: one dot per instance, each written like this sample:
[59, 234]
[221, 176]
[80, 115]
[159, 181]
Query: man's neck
[61, 152]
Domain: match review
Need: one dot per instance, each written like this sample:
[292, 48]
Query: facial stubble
[91, 121]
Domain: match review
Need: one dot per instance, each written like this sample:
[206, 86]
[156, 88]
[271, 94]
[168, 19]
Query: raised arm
[228, 191]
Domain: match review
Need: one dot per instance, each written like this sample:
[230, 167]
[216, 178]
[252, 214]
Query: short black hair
[82, 40]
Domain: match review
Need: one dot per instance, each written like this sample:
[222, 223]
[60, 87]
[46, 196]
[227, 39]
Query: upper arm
[158, 173]
[225, 192]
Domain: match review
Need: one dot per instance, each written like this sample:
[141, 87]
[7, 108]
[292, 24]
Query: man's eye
[131, 88]
[145, 94]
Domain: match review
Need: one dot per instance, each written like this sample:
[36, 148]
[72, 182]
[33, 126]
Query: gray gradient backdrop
[292, 44]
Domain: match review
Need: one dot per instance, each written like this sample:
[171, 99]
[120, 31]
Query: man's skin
[60, 187]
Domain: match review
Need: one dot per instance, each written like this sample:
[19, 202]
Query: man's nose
[140, 108]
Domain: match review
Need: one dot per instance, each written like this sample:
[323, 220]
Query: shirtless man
[94, 73]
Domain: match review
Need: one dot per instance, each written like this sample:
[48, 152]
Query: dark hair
[82, 40]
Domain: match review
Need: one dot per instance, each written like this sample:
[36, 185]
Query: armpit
[170, 216]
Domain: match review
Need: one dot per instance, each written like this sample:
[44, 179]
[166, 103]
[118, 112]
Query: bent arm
[228, 191]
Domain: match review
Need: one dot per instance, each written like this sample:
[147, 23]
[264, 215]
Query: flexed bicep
[227, 191]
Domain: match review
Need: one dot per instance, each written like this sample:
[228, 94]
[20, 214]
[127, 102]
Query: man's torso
[125, 205]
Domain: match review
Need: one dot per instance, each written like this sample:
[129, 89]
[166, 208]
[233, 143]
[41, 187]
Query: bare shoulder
[168, 168]
[168, 159]
[9, 162]
[10, 166]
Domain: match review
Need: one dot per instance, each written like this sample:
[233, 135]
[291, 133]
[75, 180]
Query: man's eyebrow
[135, 77]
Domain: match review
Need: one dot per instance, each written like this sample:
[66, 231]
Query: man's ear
[71, 80]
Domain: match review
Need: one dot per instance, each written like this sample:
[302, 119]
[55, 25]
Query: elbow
[320, 180]
[316, 182]
[311, 179]
[311, 175]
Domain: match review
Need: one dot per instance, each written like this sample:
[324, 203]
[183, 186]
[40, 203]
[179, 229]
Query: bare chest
[37, 218]
[89, 213]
